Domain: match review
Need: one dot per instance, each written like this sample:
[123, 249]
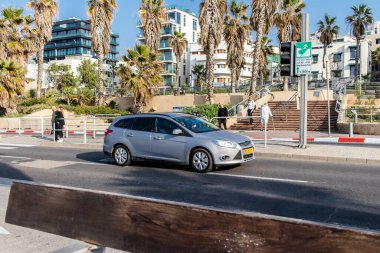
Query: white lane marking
[3, 231]
[8, 148]
[16, 145]
[261, 178]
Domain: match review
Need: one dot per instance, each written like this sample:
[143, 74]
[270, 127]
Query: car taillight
[107, 132]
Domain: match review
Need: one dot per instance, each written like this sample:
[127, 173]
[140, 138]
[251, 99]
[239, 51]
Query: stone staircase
[368, 89]
[286, 117]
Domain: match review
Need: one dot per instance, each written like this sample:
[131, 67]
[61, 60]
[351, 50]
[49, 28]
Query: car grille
[245, 144]
[238, 156]
[248, 156]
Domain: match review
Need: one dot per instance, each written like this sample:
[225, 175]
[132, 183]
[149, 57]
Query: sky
[126, 17]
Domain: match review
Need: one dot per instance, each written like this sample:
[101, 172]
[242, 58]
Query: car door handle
[130, 135]
[157, 138]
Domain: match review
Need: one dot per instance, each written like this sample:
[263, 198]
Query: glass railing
[88, 35]
[166, 58]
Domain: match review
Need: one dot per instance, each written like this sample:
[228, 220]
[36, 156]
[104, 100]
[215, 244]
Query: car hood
[226, 136]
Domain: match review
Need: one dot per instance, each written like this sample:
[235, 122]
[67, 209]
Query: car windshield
[196, 125]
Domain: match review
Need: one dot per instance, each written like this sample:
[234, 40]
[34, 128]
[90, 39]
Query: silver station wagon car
[175, 137]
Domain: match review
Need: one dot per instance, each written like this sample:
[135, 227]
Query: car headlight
[226, 144]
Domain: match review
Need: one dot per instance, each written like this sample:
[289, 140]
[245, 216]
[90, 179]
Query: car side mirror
[177, 131]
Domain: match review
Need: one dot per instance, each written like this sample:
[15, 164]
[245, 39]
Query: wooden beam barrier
[145, 226]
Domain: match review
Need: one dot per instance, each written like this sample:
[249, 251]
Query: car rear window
[145, 124]
[125, 123]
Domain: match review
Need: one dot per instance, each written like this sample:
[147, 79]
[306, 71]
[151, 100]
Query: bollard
[42, 126]
[265, 135]
[19, 126]
[351, 129]
[94, 128]
[85, 130]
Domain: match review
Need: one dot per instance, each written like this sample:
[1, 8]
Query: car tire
[122, 156]
[201, 160]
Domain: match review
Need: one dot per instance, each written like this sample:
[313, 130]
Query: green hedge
[208, 111]
[92, 110]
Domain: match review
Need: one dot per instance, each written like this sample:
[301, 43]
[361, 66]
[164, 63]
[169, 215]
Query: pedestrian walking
[59, 124]
[53, 117]
[251, 108]
[265, 113]
[222, 112]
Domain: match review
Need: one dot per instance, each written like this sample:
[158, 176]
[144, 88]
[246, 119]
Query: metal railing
[88, 125]
[246, 117]
[258, 94]
[362, 113]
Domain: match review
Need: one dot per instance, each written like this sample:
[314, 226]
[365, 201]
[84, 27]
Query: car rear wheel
[122, 156]
[201, 160]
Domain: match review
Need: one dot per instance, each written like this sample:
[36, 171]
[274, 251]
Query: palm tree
[140, 74]
[262, 19]
[153, 14]
[45, 11]
[12, 79]
[200, 73]
[288, 22]
[328, 30]
[178, 42]
[101, 14]
[361, 18]
[376, 58]
[211, 20]
[266, 51]
[235, 34]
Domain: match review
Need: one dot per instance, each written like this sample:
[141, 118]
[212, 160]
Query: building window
[352, 53]
[221, 80]
[184, 20]
[184, 70]
[337, 73]
[338, 57]
[193, 36]
[315, 58]
[178, 18]
[195, 25]
[171, 16]
[352, 70]
[377, 41]
[221, 66]
[315, 75]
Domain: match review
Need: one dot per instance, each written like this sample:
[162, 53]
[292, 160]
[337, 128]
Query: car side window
[164, 126]
[125, 123]
[145, 124]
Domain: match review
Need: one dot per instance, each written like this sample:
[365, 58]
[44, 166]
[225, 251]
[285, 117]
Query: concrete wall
[311, 95]
[360, 128]
[166, 103]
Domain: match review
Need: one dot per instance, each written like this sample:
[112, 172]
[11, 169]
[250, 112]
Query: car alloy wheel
[201, 161]
[121, 156]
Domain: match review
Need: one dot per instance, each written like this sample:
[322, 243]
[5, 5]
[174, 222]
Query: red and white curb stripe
[352, 140]
[48, 132]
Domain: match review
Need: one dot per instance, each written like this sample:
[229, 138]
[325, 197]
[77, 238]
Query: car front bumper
[226, 156]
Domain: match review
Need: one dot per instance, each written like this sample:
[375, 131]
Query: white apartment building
[222, 73]
[342, 54]
[373, 34]
[72, 61]
[182, 21]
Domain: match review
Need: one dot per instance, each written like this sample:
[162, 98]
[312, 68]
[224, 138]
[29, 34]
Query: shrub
[92, 110]
[208, 111]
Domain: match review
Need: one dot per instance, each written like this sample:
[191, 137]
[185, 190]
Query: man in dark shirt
[222, 112]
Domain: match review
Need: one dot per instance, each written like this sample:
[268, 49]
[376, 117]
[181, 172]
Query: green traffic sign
[303, 49]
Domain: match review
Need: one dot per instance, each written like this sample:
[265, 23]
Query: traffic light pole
[303, 88]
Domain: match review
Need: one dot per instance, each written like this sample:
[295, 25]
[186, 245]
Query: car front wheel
[201, 160]
[122, 156]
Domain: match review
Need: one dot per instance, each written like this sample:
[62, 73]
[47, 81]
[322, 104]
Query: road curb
[350, 160]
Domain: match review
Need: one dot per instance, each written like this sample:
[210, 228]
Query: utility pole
[303, 88]
[328, 94]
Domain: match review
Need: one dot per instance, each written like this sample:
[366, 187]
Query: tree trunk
[324, 59]
[100, 77]
[210, 70]
[357, 60]
[40, 70]
[233, 80]
[256, 57]
[177, 70]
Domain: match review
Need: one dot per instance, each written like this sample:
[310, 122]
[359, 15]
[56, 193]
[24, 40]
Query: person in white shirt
[265, 113]
[251, 108]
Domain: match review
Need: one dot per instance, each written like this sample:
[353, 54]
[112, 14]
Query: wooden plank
[144, 226]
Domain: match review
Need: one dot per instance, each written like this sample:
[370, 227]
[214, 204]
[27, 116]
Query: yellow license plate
[248, 151]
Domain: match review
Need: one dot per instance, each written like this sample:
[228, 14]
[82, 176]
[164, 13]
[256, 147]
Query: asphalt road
[332, 193]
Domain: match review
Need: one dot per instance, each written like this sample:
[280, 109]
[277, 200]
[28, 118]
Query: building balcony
[76, 34]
